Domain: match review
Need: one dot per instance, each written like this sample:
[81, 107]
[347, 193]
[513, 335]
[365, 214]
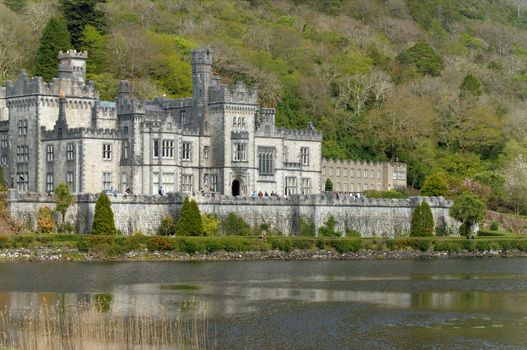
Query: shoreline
[63, 255]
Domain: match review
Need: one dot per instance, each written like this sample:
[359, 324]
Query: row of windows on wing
[266, 156]
[356, 187]
[292, 188]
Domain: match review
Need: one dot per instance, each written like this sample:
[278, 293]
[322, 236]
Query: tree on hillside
[78, 14]
[470, 211]
[435, 185]
[515, 174]
[54, 39]
[422, 221]
[403, 121]
[424, 58]
[63, 200]
[470, 86]
[189, 222]
[103, 221]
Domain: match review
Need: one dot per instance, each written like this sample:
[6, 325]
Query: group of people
[265, 194]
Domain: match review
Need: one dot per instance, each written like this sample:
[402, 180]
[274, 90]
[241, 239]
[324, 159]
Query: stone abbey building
[219, 140]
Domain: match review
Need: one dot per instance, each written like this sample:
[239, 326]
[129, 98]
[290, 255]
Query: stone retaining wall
[370, 217]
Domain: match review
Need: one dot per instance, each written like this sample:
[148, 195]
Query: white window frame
[49, 182]
[239, 151]
[70, 151]
[50, 153]
[186, 183]
[304, 156]
[167, 150]
[306, 185]
[290, 185]
[186, 151]
[106, 151]
[107, 181]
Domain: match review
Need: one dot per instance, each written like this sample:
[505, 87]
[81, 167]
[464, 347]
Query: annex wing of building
[219, 140]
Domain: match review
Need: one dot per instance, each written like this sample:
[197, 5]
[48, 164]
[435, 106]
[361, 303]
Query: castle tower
[77, 61]
[201, 75]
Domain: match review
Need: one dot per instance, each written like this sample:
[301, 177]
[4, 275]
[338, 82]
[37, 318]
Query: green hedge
[117, 245]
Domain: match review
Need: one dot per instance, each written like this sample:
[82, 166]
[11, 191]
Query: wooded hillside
[439, 84]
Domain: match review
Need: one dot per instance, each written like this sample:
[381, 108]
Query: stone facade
[218, 141]
[370, 217]
[358, 176]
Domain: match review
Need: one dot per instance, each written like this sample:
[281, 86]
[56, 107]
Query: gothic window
[266, 160]
[4, 160]
[205, 152]
[107, 181]
[304, 155]
[107, 151]
[186, 183]
[156, 149]
[4, 141]
[186, 151]
[168, 148]
[126, 149]
[290, 185]
[306, 185]
[70, 151]
[234, 122]
[168, 180]
[365, 173]
[214, 183]
[239, 152]
[49, 153]
[49, 182]
[69, 180]
[22, 127]
[22, 179]
[399, 175]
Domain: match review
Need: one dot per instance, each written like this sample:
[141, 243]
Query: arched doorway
[236, 188]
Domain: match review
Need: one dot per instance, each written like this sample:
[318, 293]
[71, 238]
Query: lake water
[477, 303]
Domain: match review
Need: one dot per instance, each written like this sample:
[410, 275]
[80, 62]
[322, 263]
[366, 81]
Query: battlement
[201, 56]
[238, 93]
[131, 107]
[306, 134]
[352, 162]
[74, 133]
[37, 86]
[240, 135]
[73, 54]
[157, 126]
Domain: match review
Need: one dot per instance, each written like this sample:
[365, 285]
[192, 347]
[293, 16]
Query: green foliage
[79, 13]
[328, 187]
[54, 39]
[434, 185]
[103, 221]
[385, 194]
[235, 225]
[424, 58]
[329, 229]
[470, 86]
[346, 245]
[494, 226]
[189, 222]
[422, 221]
[15, 5]
[307, 227]
[468, 209]
[63, 200]
[167, 226]
[45, 221]
[211, 224]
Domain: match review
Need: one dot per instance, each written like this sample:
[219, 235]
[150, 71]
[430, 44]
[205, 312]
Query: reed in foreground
[89, 328]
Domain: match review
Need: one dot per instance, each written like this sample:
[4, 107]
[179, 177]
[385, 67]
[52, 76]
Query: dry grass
[87, 328]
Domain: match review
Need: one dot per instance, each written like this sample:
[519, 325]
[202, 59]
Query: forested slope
[439, 84]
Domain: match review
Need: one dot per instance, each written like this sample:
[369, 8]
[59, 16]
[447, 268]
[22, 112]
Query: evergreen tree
[470, 86]
[63, 199]
[422, 221]
[424, 58]
[167, 226]
[235, 225]
[103, 222]
[54, 39]
[78, 14]
[328, 186]
[189, 222]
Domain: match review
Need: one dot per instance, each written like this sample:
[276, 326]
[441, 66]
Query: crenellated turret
[201, 75]
[77, 61]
